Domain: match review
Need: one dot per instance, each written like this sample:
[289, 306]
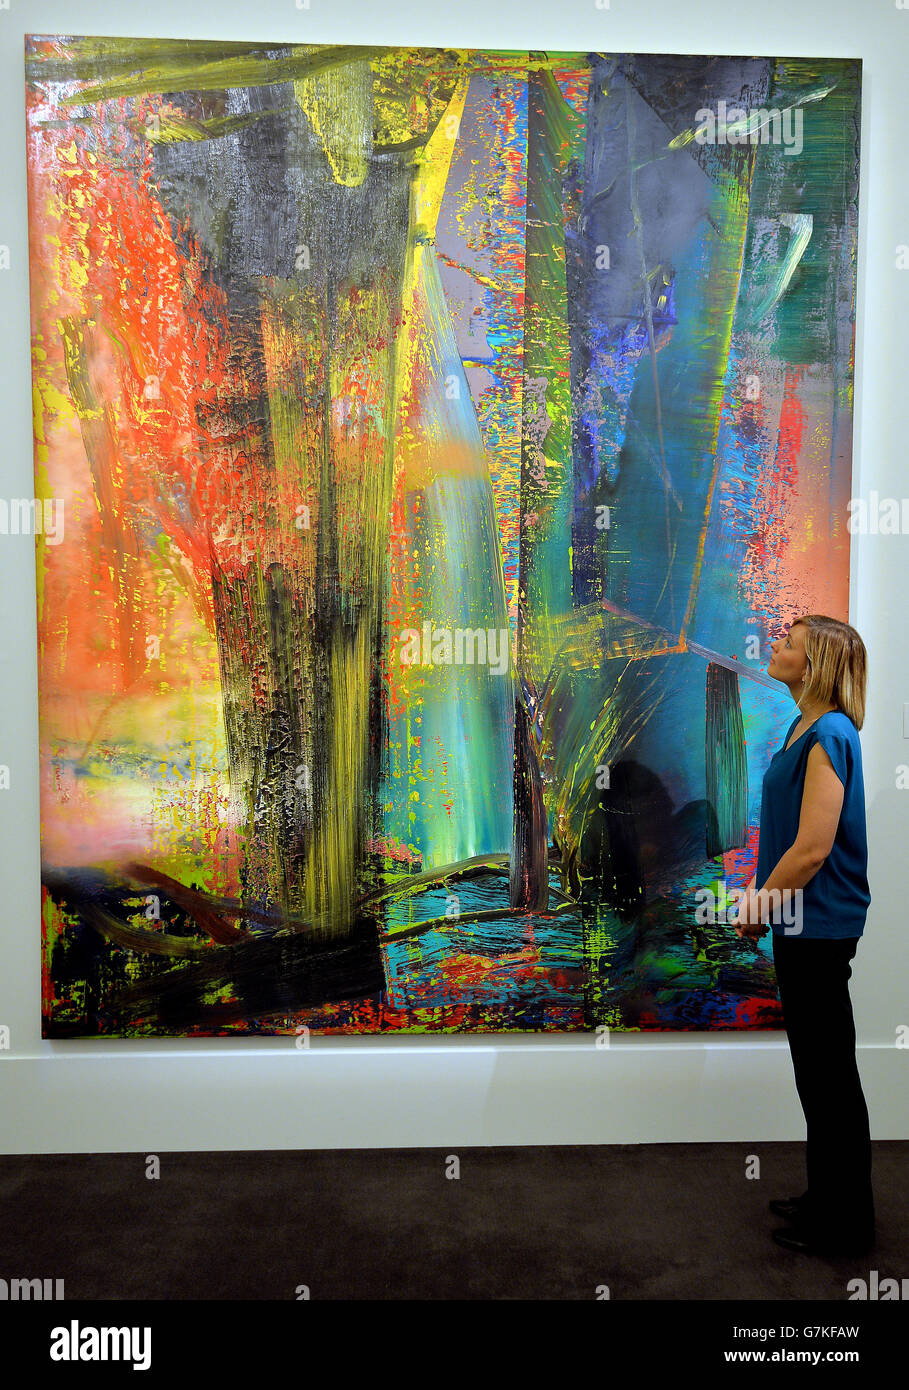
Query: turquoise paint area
[451, 797]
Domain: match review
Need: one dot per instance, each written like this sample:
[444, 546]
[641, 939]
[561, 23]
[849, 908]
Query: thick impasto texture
[440, 435]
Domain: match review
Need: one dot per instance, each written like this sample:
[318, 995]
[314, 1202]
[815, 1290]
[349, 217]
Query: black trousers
[813, 978]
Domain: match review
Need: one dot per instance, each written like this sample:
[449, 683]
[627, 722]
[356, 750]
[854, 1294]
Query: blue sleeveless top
[835, 901]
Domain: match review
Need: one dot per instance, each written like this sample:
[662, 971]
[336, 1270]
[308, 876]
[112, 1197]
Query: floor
[650, 1221]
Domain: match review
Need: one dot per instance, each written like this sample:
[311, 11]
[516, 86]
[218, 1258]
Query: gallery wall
[250, 1092]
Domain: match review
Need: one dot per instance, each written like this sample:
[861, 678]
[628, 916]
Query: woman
[813, 851]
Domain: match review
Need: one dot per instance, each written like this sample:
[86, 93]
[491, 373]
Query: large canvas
[428, 443]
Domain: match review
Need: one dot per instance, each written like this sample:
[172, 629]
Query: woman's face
[789, 662]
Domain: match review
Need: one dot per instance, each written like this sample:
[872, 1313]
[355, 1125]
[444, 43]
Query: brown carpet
[651, 1221]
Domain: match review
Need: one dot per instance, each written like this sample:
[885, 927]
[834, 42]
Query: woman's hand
[747, 921]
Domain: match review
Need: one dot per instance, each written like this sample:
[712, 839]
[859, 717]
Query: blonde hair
[837, 665]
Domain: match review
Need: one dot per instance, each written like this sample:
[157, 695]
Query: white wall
[160, 1095]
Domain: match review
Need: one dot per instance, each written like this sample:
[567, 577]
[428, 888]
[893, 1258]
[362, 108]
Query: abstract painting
[434, 441]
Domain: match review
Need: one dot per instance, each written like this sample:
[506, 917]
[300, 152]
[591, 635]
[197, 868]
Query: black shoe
[791, 1208]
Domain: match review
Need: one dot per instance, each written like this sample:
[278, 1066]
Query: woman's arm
[822, 801]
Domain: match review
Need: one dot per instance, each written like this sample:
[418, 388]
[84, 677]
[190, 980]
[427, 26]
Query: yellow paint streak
[332, 866]
[45, 396]
[426, 192]
[436, 162]
[339, 105]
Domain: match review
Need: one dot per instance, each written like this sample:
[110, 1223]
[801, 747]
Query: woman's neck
[811, 712]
